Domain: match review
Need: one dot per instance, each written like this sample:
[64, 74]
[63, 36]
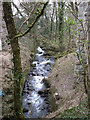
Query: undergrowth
[81, 111]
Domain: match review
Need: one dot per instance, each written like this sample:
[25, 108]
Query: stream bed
[35, 98]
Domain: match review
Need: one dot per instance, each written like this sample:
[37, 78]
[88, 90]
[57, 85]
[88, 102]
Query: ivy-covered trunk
[8, 17]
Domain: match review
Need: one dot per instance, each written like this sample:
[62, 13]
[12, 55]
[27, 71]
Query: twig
[17, 8]
[30, 27]
[22, 5]
[28, 17]
[76, 18]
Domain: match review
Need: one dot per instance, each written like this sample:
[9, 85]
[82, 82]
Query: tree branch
[76, 18]
[17, 8]
[22, 5]
[28, 17]
[36, 19]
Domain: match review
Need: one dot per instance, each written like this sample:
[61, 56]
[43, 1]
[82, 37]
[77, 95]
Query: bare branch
[21, 4]
[28, 17]
[17, 8]
[36, 19]
[76, 18]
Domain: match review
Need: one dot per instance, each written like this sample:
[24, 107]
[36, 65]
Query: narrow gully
[35, 99]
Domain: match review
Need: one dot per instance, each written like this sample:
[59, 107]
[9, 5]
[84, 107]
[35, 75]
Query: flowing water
[35, 99]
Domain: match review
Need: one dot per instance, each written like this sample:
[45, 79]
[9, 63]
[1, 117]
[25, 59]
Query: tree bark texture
[61, 15]
[88, 51]
[87, 18]
[8, 17]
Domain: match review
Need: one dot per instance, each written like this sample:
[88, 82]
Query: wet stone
[29, 88]
[33, 73]
[40, 92]
[29, 103]
[25, 110]
[26, 91]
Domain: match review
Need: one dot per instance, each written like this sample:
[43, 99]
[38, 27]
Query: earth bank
[7, 76]
[67, 91]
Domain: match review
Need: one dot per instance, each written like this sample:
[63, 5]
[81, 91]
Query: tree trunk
[56, 21]
[61, 14]
[8, 17]
[88, 53]
[51, 28]
[69, 30]
[88, 38]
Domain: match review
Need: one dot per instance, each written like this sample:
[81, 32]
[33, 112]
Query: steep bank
[67, 92]
[7, 77]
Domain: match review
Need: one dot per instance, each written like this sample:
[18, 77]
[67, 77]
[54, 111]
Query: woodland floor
[62, 79]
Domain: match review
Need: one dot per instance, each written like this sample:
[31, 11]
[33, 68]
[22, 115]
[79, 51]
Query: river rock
[40, 52]
[25, 110]
[26, 91]
[47, 91]
[29, 103]
[29, 88]
[33, 65]
[40, 92]
[34, 74]
[46, 54]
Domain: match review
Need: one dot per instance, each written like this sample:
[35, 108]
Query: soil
[67, 92]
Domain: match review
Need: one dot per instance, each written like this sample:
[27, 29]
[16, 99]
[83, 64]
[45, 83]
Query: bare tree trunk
[51, 28]
[8, 17]
[69, 38]
[61, 14]
[56, 22]
[87, 15]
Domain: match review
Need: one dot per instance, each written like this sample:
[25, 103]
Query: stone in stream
[47, 91]
[46, 54]
[33, 74]
[43, 108]
[26, 91]
[25, 110]
[30, 88]
[40, 92]
[29, 103]
[40, 52]
[44, 93]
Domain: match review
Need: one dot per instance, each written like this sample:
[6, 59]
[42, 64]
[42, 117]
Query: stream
[35, 100]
